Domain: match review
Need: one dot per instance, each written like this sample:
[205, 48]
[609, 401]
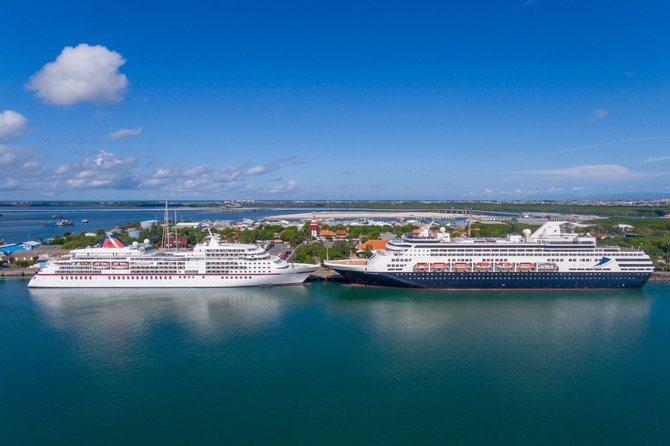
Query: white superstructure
[211, 263]
[546, 258]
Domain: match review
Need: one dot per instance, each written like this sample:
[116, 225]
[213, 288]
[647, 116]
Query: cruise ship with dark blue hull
[499, 280]
[549, 258]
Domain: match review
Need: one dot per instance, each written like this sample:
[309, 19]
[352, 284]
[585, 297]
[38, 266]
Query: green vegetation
[24, 263]
[650, 235]
[74, 241]
[313, 252]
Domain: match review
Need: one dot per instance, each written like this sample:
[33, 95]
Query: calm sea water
[334, 364]
[21, 224]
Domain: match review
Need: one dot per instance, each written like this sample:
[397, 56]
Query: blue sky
[341, 100]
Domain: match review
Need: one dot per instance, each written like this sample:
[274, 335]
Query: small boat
[438, 266]
[101, 264]
[119, 264]
[421, 267]
[56, 216]
[525, 266]
[504, 266]
[85, 220]
[547, 267]
[65, 223]
[461, 266]
[483, 266]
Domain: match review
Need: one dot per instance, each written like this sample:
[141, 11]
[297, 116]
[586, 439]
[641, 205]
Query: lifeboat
[461, 266]
[504, 266]
[438, 266]
[483, 266]
[101, 264]
[524, 266]
[547, 267]
[421, 267]
[85, 263]
[119, 264]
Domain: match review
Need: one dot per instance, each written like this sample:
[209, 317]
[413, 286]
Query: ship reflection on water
[108, 321]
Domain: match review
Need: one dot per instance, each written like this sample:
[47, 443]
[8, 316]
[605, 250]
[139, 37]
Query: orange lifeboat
[438, 266]
[119, 264]
[461, 266]
[483, 265]
[421, 267]
[504, 266]
[525, 266]
[101, 264]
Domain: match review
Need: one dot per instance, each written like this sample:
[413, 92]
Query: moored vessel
[549, 258]
[212, 264]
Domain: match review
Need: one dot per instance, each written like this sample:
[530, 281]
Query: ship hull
[498, 280]
[42, 280]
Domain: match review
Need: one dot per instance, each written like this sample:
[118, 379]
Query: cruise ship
[548, 258]
[210, 264]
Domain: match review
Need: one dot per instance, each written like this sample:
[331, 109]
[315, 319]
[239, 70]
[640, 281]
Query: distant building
[146, 224]
[189, 224]
[14, 247]
[387, 236]
[372, 244]
[341, 233]
[134, 233]
[181, 241]
[327, 233]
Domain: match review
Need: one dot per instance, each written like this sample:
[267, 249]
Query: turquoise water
[334, 364]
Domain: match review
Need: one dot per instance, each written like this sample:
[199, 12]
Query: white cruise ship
[211, 263]
[547, 258]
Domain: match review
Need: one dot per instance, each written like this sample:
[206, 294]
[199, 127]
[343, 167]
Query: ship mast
[166, 228]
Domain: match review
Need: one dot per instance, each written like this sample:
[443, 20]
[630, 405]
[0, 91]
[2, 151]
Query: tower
[314, 226]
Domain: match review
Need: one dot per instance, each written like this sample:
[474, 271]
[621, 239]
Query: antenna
[166, 228]
[176, 248]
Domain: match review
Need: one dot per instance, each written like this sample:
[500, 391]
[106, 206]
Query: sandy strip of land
[366, 214]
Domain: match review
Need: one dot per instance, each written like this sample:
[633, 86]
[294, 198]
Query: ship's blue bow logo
[603, 261]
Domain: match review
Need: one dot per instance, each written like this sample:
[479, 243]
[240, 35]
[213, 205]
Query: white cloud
[195, 171]
[655, 159]
[12, 124]
[124, 133]
[281, 188]
[102, 170]
[83, 73]
[516, 192]
[589, 171]
[261, 169]
[99, 170]
[598, 115]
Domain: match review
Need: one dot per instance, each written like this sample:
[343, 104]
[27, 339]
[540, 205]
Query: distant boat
[64, 223]
[55, 216]
[85, 220]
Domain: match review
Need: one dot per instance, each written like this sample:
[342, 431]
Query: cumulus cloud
[281, 188]
[99, 170]
[83, 73]
[195, 171]
[104, 170]
[12, 124]
[17, 164]
[261, 169]
[124, 133]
